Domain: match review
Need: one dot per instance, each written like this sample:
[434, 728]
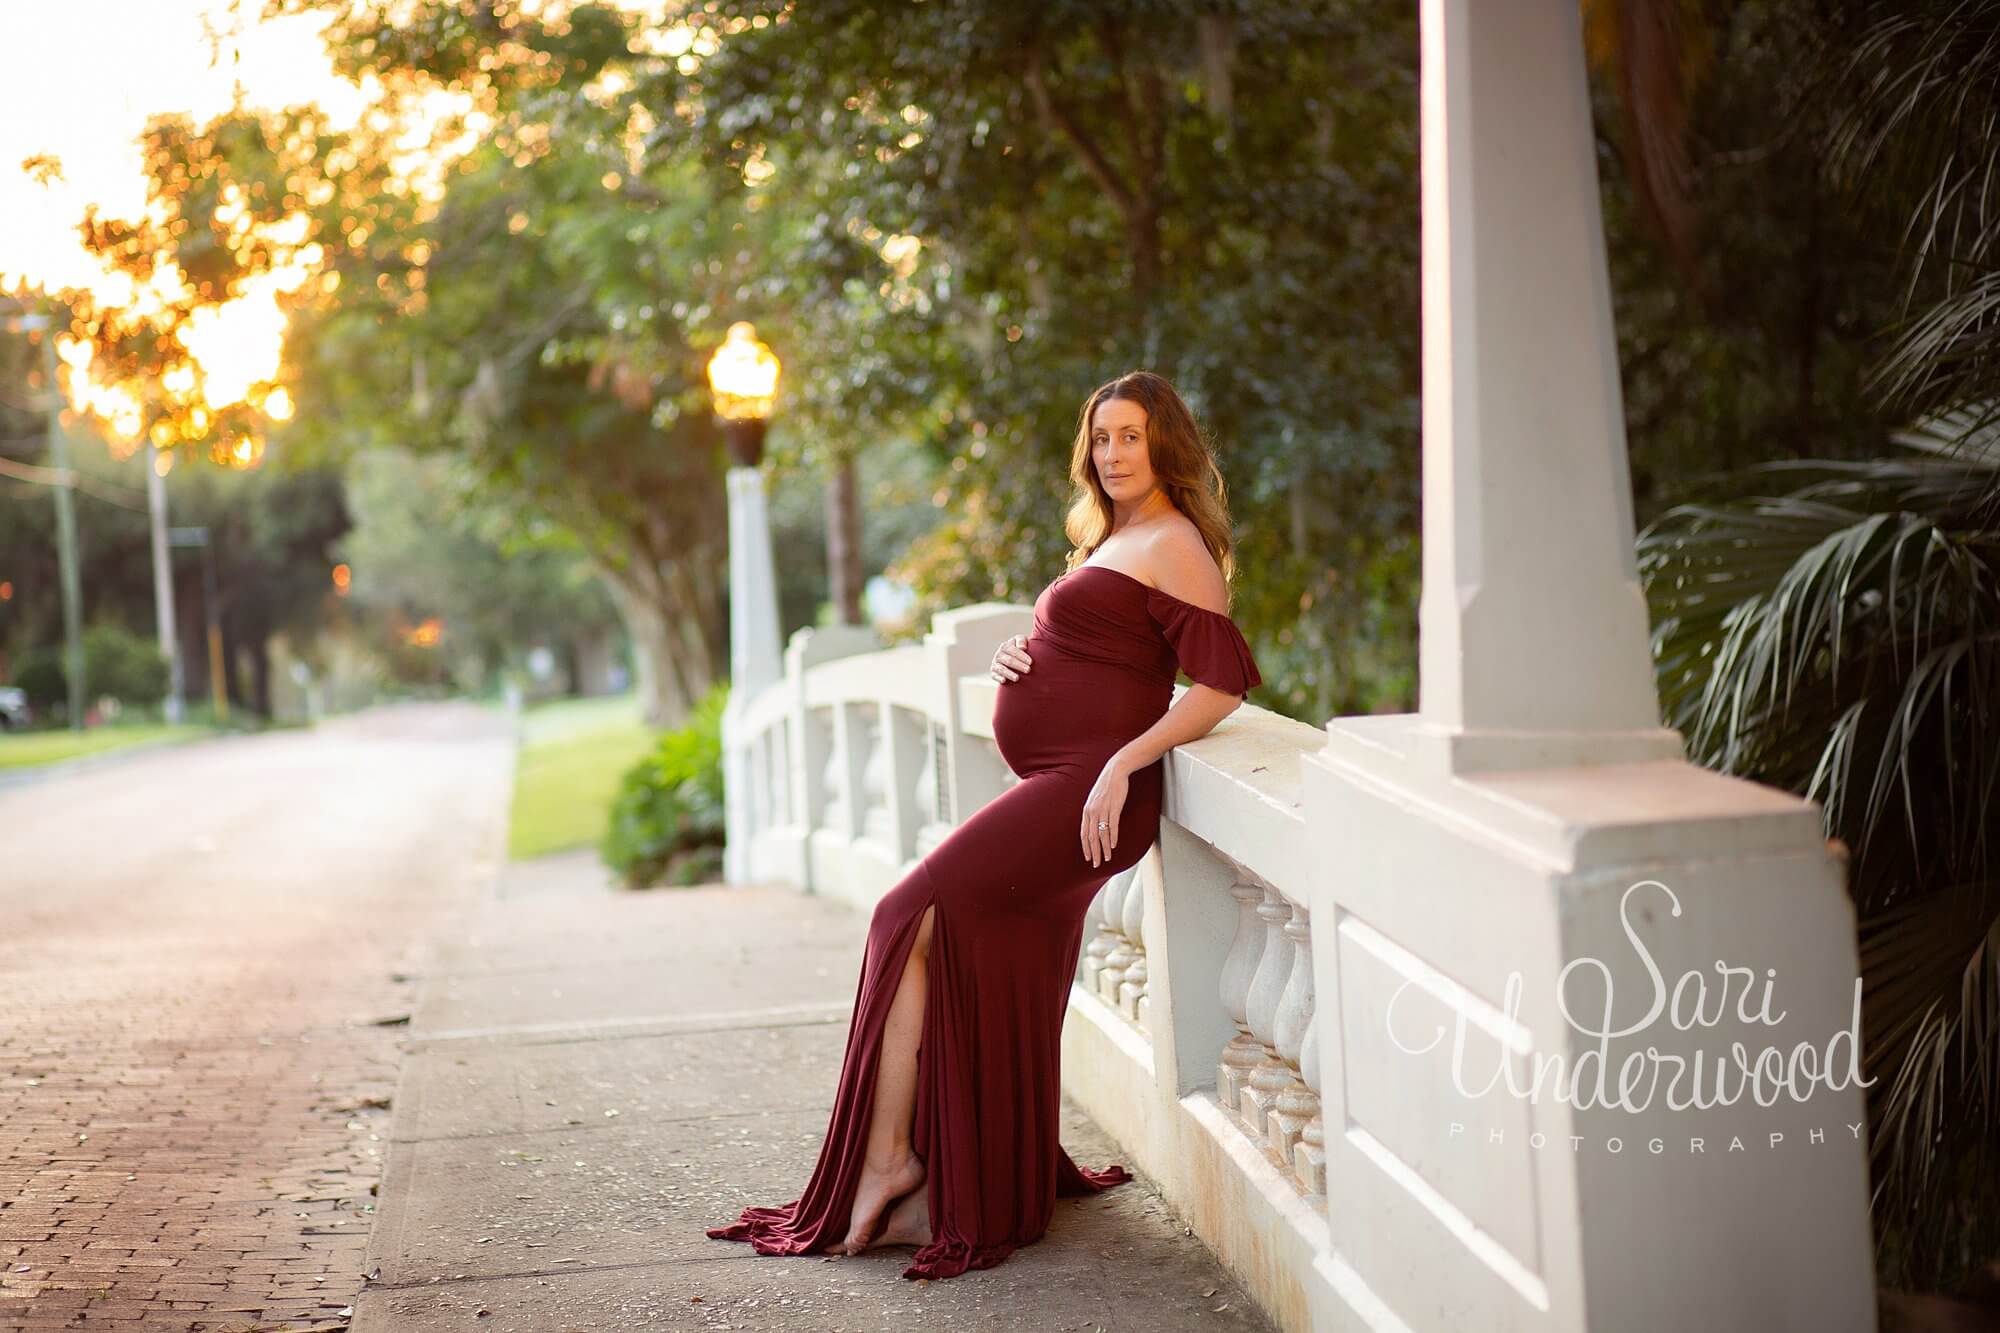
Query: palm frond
[1931, 982]
[1920, 96]
[1841, 639]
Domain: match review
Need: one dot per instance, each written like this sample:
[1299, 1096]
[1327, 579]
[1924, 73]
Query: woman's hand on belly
[1010, 659]
[1104, 805]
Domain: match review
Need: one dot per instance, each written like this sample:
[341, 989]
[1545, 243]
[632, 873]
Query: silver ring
[1102, 824]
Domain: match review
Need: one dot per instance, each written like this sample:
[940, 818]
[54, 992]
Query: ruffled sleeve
[1207, 645]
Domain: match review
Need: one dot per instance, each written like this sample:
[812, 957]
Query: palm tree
[1841, 639]
[1833, 627]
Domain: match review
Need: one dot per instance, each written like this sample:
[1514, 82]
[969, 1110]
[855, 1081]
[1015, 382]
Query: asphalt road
[204, 952]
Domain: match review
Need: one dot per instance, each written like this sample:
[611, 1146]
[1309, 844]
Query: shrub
[667, 819]
[41, 675]
[125, 665]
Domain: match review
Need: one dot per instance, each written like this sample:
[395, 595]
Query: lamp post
[744, 377]
[164, 616]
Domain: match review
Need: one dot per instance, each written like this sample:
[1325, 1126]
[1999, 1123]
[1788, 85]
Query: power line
[109, 492]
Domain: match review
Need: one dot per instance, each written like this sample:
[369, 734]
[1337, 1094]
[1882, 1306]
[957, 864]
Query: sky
[84, 75]
[83, 78]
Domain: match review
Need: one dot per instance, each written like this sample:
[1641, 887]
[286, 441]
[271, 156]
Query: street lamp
[743, 374]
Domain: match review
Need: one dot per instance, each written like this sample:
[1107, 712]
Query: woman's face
[1118, 449]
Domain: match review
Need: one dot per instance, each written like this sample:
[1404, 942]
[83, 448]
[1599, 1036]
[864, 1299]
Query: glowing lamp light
[744, 376]
[343, 579]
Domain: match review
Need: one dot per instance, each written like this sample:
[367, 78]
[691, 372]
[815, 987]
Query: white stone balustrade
[1275, 1012]
[1228, 1021]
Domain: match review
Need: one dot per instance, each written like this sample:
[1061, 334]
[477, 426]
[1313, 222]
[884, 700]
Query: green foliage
[1222, 197]
[543, 323]
[41, 675]
[430, 540]
[124, 665]
[1832, 626]
[271, 528]
[951, 220]
[667, 821]
[115, 662]
[1841, 640]
[217, 195]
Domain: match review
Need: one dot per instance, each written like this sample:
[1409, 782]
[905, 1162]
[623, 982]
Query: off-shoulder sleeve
[1206, 644]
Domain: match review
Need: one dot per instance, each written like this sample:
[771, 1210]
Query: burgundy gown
[1011, 885]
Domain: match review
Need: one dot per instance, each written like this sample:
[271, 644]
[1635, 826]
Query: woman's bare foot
[872, 1197]
[909, 1221]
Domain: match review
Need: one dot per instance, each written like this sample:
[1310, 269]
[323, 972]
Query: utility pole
[218, 695]
[163, 583]
[66, 561]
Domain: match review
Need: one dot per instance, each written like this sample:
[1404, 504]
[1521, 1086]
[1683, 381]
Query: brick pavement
[196, 948]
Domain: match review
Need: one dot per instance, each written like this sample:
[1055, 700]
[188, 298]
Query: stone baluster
[1309, 1156]
[1267, 989]
[1132, 990]
[833, 779]
[1296, 1103]
[766, 795]
[878, 821]
[927, 790]
[1102, 940]
[1122, 954]
[1239, 969]
[781, 774]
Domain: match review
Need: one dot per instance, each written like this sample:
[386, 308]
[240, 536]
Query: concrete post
[755, 659]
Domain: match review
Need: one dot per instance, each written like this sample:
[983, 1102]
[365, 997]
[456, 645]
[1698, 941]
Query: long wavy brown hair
[1183, 460]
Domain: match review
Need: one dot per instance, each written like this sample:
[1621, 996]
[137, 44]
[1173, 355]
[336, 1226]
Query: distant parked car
[14, 711]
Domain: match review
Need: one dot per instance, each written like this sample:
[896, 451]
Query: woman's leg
[891, 1167]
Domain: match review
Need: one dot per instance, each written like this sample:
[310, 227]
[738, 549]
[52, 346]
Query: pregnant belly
[1068, 711]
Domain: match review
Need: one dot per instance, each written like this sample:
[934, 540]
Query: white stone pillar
[1533, 625]
[755, 653]
[1475, 868]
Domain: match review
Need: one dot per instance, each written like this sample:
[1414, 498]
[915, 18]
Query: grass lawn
[21, 749]
[573, 752]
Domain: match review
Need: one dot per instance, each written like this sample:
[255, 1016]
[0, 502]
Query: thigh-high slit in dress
[1011, 885]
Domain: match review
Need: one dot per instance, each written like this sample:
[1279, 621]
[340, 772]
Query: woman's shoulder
[1181, 565]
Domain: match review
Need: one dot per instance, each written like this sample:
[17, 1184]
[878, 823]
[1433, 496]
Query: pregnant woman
[944, 1126]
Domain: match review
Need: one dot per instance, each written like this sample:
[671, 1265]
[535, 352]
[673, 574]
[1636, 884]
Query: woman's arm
[1193, 716]
[1183, 568]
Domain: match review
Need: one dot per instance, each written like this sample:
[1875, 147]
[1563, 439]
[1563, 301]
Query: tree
[955, 219]
[428, 541]
[223, 229]
[1831, 624]
[543, 317]
[1064, 191]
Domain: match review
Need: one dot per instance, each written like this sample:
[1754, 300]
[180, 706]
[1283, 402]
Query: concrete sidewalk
[594, 1076]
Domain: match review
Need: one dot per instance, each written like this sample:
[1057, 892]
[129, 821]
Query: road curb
[27, 774]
